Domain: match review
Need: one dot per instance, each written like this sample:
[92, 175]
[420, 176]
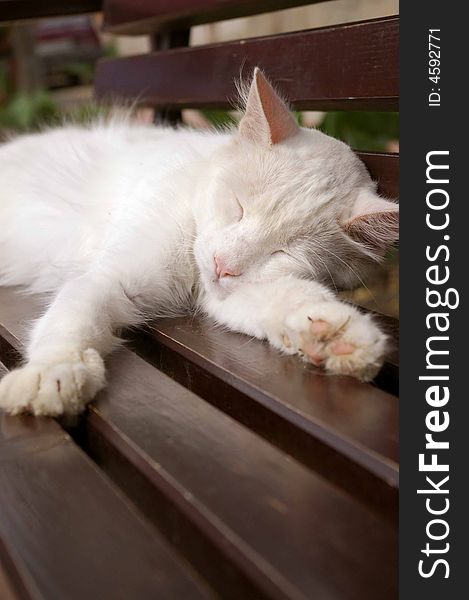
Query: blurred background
[47, 69]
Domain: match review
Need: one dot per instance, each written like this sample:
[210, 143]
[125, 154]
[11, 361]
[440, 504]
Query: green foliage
[86, 113]
[84, 72]
[21, 112]
[3, 81]
[28, 112]
[362, 130]
[110, 50]
[219, 118]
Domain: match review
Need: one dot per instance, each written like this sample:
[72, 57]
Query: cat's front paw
[60, 387]
[336, 337]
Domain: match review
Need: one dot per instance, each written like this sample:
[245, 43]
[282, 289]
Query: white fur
[121, 223]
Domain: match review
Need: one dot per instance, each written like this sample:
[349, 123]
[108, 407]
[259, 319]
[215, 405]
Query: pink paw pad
[319, 327]
[342, 348]
[314, 353]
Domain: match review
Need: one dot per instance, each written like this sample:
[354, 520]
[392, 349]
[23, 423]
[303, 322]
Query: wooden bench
[211, 465]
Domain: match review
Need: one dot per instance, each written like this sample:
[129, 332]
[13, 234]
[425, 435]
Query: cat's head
[279, 199]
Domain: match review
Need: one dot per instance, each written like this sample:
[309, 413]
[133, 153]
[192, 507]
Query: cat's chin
[214, 289]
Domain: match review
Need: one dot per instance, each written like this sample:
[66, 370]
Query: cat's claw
[336, 337]
[60, 387]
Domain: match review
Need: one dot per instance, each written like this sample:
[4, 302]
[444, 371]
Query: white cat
[123, 223]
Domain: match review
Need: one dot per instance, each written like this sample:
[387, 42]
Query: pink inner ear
[267, 119]
[377, 230]
[280, 120]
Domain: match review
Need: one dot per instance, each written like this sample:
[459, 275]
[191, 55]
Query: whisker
[372, 296]
[327, 269]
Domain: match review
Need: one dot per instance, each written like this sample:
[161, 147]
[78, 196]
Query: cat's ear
[373, 222]
[267, 119]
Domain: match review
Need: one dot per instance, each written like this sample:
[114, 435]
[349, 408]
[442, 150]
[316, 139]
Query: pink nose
[222, 270]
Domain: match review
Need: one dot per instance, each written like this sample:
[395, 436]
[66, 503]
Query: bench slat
[66, 532]
[323, 69]
[7, 592]
[278, 524]
[255, 369]
[139, 17]
[342, 428]
[12, 10]
[384, 168]
[248, 517]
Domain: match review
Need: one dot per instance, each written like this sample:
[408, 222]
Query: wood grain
[346, 430]
[11, 10]
[384, 169]
[65, 530]
[6, 590]
[210, 483]
[350, 67]
[139, 17]
[252, 521]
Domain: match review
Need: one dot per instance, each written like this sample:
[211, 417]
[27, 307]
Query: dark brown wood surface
[290, 402]
[384, 168]
[11, 10]
[280, 525]
[271, 526]
[352, 67]
[67, 532]
[342, 428]
[148, 16]
[7, 591]
[346, 430]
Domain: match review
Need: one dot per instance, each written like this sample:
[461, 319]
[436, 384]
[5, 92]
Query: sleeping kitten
[123, 223]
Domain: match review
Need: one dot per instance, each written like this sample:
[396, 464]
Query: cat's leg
[303, 317]
[64, 368]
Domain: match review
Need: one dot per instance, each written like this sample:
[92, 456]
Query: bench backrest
[343, 67]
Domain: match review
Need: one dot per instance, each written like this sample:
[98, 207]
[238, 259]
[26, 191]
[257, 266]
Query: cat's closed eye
[240, 208]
